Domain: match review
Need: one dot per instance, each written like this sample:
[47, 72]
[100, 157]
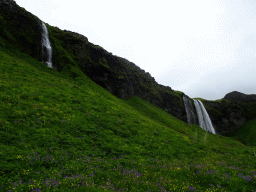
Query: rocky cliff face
[231, 112]
[238, 97]
[225, 116]
[20, 29]
[75, 56]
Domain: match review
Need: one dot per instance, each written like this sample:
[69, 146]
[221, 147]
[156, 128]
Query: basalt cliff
[73, 54]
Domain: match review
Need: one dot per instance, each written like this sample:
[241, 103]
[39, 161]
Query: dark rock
[231, 112]
[193, 118]
[20, 28]
[85, 39]
[8, 2]
[238, 97]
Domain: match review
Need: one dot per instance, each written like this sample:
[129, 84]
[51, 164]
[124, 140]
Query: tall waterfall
[203, 117]
[189, 110]
[46, 47]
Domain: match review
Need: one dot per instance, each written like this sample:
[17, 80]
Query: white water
[203, 117]
[46, 46]
[189, 110]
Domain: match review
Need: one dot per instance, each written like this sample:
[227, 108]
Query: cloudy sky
[203, 48]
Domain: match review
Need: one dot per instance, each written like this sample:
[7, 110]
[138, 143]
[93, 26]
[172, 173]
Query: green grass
[58, 134]
[246, 133]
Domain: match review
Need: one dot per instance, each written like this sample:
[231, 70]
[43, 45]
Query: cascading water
[46, 47]
[203, 117]
[189, 110]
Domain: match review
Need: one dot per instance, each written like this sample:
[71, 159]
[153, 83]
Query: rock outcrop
[225, 116]
[231, 112]
[85, 39]
[238, 97]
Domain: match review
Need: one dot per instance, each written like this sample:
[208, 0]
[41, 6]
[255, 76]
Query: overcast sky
[204, 48]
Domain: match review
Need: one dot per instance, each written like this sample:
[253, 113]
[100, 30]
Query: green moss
[200, 99]
[219, 100]
[227, 101]
[3, 32]
[216, 112]
[192, 101]
[103, 61]
[98, 47]
[178, 93]
[62, 56]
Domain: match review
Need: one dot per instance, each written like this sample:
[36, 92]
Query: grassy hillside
[58, 134]
[246, 134]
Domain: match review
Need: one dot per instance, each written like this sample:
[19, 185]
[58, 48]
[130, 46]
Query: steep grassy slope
[58, 134]
[246, 134]
[75, 56]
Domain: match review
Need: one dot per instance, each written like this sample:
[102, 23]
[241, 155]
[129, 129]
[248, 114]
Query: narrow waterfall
[203, 117]
[189, 110]
[46, 47]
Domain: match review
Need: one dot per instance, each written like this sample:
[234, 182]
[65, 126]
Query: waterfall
[46, 47]
[189, 110]
[203, 117]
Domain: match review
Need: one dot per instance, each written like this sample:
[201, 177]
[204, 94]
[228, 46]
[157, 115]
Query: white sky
[204, 48]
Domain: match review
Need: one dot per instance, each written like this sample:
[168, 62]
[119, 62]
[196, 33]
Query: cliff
[74, 55]
[20, 29]
[238, 97]
[231, 112]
